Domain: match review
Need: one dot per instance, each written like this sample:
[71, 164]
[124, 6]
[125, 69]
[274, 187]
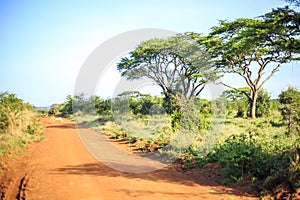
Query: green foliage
[67, 109]
[18, 122]
[82, 104]
[162, 136]
[265, 156]
[171, 103]
[103, 107]
[240, 155]
[247, 47]
[290, 109]
[176, 117]
[239, 102]
[263, 104]
[55, 109]
[179, 65]
[205, 112]
[252, 157]
[193, 115]
[145, 104]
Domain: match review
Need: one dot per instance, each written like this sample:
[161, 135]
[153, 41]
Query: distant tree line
[236, 102]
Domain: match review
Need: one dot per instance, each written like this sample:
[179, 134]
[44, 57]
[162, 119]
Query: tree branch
[270, 75]
[234, 88]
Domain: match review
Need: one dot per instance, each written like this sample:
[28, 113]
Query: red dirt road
[60, 167]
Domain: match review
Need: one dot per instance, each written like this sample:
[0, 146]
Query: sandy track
[60, 167]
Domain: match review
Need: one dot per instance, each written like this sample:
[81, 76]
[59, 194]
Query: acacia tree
[177, 64]
[255, 49]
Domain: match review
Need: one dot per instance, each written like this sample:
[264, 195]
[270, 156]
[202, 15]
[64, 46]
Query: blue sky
[43, 44]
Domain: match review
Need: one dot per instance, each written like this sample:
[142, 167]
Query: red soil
[60, 167]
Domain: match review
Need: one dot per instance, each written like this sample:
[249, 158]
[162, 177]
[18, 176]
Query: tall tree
[177, 64]
[255, 49]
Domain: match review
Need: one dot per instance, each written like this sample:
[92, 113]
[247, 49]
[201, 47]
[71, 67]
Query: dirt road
[60, 167]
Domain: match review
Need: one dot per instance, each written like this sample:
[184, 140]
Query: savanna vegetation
[262, 152]
[19, 123]
[254, 139]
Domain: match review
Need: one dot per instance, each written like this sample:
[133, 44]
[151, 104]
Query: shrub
[245, 158]
[290, 109]
[263, 104]
[240, 155]
[18, 122]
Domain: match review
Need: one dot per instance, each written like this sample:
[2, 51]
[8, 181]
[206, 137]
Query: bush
[18, 122]
[240, 103]
[290, 110]
[240, 155]
[263, 104]
[246, 159]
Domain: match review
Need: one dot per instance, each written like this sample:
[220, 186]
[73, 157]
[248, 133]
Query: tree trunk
[253, 104]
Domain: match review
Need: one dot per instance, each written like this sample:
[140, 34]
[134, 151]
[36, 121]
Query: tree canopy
[177, 64]
[255, 49]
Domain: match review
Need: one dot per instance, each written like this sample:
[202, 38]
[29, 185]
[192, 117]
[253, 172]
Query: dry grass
[18, 123]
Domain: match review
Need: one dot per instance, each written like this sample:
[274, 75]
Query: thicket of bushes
[265, 161]
[19, 123]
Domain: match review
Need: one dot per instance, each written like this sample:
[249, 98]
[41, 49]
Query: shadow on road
[62, 126]
[168, 175]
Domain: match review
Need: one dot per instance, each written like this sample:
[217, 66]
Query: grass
[143, 127]
[3, 149]
[251, 151]
[157, 130]
[257, 152]
[19, 124]
[8, 143]
[266, 130]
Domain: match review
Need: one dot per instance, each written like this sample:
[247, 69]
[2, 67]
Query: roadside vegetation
[253, 139]
[19, 123]
[262, 152]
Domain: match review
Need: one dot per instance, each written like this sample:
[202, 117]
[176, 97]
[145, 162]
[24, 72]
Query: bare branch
[270, 75]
